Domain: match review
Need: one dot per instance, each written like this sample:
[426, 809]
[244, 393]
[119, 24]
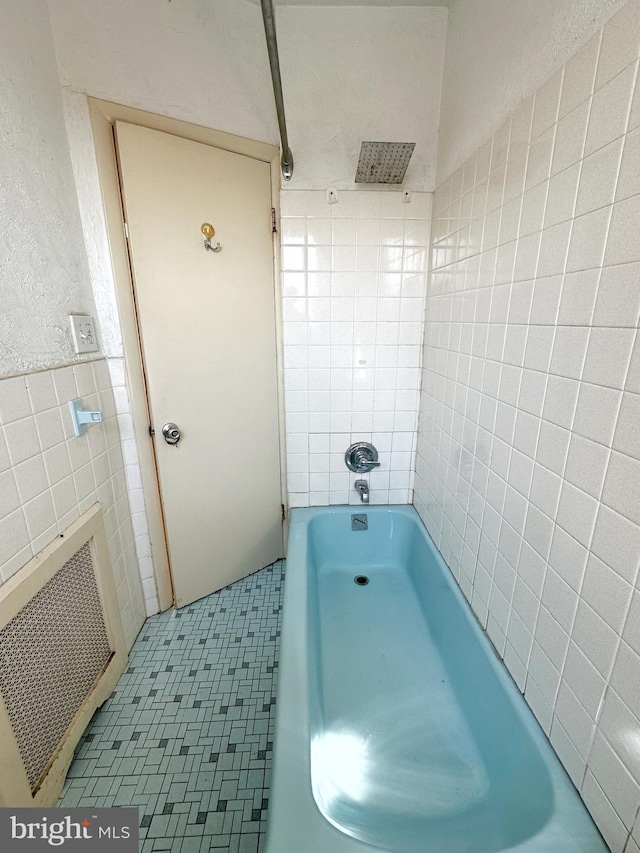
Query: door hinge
[284, 515]
[126, 231]
[274, 227]
[152, 431]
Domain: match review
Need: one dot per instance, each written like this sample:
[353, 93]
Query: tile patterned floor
[187, 734]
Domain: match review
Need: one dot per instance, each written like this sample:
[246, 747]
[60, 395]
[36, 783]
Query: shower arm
[268, 16]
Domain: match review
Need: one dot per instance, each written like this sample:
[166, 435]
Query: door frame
[103, 115]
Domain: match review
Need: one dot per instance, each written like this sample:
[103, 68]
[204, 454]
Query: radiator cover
[61, 653]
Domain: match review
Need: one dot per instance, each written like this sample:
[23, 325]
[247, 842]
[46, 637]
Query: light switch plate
[83, 331]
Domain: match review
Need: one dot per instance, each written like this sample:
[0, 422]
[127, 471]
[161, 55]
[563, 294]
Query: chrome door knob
[171, 433]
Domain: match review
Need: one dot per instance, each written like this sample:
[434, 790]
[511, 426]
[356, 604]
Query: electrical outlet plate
[83, 331]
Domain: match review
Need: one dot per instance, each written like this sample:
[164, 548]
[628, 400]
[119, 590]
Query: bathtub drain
[361, 580]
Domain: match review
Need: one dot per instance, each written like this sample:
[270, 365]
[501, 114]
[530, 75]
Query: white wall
[202, 61]
[498, 53]
[43, 271]
[83, 158]
[359, 74]
[528, 469]
[354, 285]
[85, 167]
[349, 74]
[47, 475]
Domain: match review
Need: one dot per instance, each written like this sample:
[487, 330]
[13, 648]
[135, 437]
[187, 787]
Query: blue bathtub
[397, 728]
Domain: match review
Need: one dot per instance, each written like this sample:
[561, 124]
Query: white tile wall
[354, 285]
[48, 476]
[528, 457]
[133, 479]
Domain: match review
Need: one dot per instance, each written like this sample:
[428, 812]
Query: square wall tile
[531, 350]
[53, 474]
[610, 110]
[620, 43]
[356, 331]
[579, 75]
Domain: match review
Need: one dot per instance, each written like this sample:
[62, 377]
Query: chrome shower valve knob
[361, 457]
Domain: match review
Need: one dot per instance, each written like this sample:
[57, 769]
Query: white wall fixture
[80, 418]
[83, 331]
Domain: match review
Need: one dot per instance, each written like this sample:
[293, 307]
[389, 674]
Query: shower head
[383, 162]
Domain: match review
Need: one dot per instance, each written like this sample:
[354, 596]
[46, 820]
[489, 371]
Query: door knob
[171, 433]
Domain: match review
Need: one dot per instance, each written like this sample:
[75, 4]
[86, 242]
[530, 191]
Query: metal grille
[51, 655]
[383, 162]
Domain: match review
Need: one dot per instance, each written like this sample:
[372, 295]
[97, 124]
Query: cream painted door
[207, 329]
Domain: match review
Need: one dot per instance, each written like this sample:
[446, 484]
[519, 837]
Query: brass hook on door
[209, 231]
